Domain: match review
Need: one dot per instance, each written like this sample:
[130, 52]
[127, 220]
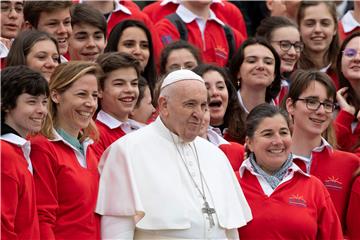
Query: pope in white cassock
[164, 182]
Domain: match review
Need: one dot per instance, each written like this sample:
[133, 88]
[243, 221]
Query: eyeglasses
[350, 52]
[6, 7]
[314, 104]
[285, 45]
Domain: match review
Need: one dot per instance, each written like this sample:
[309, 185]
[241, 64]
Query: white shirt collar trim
[215, 138]
[108, 120]
[112, 123]
[164, 2]
[14, 139]
[246, 165]
[242, 103]
[122, 8]
[349, 22]
[187, 16]
[21, 142]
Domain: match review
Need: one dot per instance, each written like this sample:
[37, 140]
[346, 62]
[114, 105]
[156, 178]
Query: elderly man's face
[184, 108]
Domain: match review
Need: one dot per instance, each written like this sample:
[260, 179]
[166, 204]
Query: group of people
[171, 122]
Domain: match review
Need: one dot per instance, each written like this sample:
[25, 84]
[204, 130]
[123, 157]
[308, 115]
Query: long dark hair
[305, 61]
[234, 66]
[234, 114]
[149, 72]
[22, 46]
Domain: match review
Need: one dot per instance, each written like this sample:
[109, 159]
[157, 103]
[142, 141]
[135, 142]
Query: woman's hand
[341, 96]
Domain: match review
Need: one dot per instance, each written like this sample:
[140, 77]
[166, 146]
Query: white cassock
[146, 189]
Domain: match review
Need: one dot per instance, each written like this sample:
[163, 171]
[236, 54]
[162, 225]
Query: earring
[238, 82]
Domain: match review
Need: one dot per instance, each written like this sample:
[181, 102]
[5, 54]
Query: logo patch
[166, 39]
[297, 200]
[333, 183]
[221, 52]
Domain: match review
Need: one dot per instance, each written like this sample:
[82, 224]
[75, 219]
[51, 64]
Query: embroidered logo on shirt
[221, 52]
[297, 200]
[166, 39]
[333, 183]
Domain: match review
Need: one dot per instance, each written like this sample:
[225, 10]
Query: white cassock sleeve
[117, 227]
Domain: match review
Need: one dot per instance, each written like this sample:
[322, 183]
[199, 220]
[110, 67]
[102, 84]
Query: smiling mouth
[319, 121]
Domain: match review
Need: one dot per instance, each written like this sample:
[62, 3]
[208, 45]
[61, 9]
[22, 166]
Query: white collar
[164, 2]
[21, 142]
[58, 137]
[14, 139]
[247, 165]
[187, 16]
[324, 69]
[349, 22]
[324, 145]
[108, 120]
[215, 138]
[118, 7]
[113, 123]
[242, 103]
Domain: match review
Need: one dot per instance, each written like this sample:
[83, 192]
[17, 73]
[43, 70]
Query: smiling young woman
[310, 103]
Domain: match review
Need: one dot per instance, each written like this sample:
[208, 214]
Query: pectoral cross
[209, 211]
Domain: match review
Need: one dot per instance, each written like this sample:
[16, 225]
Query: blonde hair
[61, 80]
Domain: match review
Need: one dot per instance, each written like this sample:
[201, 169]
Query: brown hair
[305, 61]
[33, 9]
[61, 80]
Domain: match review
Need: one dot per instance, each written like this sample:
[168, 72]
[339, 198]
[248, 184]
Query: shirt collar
[187, 16]
[21, 142]
[215, 138]
[349, 22]
[58, 137]
[120, 7]
[113, 123]
[324, 145]
[164, 2]
[14, 139]
[242, 103]
[246, 165]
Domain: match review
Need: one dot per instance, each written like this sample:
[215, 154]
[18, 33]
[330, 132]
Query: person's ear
[27, 26]
[249, 143]
[163, 106]
[55, 96]
[290, 108]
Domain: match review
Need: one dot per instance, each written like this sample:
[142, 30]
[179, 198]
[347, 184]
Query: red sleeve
[343, 131]
[235, 153]
[232, 16]
[353, 213]
[329, 226]
[9, 203]
[44, 166]
[167, 31]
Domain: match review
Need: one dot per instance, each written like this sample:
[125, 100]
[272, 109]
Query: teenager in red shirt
[65, 167]
[310, 102]
[24, 95]
[286, 203]
[353, 213]
[226, 11]
[318, 23]
[204, 30]
[119, 92]
[347, 122]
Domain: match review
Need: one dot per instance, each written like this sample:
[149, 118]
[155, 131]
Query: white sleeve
[115, 227]
[232, 234]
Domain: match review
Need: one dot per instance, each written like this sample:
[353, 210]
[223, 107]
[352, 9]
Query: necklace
[206, 209]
